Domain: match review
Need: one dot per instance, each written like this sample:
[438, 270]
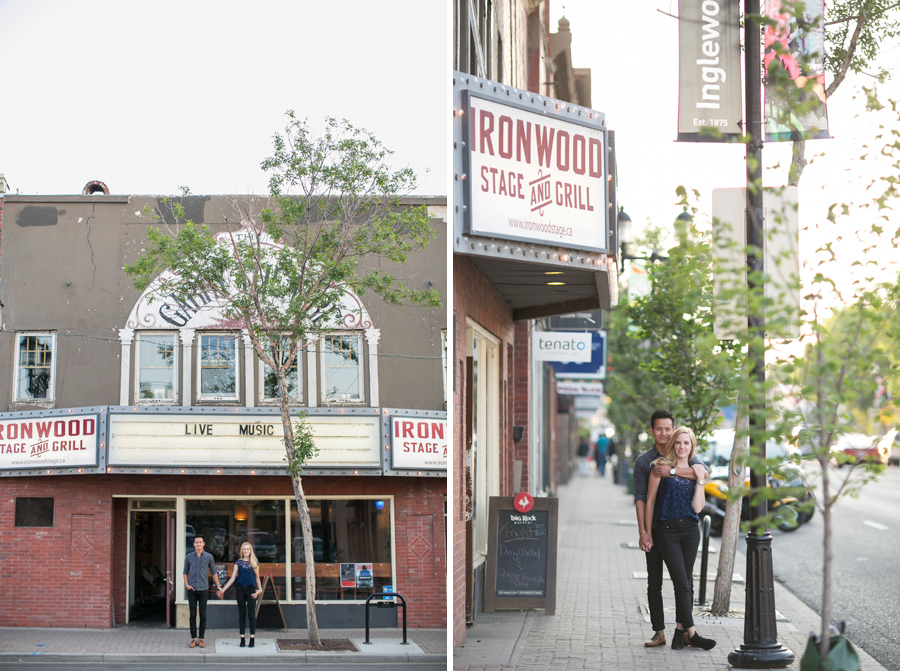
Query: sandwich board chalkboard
[521, 560]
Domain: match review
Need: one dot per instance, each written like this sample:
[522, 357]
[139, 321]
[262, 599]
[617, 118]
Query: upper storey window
[156, 367]
[35, 367]
[342, 369]
[292, 380]
[218, 367]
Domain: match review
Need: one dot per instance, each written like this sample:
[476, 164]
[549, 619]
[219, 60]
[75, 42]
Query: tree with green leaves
[856, 32]
[693, 374]
[334, 224]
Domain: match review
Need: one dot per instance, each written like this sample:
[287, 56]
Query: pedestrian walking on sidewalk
[584, 449]
[672, 512]
[600, 453]
[198, 565]
[246, 573]
[662, 424]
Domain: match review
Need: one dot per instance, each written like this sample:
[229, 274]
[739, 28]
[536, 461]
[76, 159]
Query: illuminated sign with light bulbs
[535, 169]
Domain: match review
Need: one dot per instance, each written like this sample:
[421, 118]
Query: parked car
[792, 504]
[859, 447]
[264, 546]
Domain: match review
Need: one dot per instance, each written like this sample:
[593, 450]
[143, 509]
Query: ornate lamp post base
[761, 649]
[776, 657]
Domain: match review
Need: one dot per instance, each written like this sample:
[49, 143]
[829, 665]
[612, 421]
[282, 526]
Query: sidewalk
[601, 619]
[128, 644]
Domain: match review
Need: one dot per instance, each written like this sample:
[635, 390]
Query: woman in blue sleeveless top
[672, 509]
[246, 573]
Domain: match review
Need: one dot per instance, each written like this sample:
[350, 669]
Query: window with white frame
[35, 379]
[218, 367]
[342, 369]
[269, 382]
[156, 368]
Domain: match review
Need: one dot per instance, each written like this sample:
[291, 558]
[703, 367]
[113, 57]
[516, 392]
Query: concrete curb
[283, 657]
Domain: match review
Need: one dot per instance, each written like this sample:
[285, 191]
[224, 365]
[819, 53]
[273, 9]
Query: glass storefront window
[349, 534]
[226, 525]
[345, 532]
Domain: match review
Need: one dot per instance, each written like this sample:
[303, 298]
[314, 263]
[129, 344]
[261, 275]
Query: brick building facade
[116, 448]
[511, 75]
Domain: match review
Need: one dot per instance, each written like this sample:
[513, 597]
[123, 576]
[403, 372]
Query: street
[212, 666]
[866, 588]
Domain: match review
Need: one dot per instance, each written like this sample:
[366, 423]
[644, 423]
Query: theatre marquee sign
[235, 441]
[534, 173]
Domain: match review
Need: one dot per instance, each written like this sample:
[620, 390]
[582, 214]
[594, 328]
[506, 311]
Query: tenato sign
[561, 346]
[534, 177]
[418, 443]
[56, 442]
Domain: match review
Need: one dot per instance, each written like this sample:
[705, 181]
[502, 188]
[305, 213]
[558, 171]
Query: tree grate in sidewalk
[328, 645]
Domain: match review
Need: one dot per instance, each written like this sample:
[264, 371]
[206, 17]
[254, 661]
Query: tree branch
[848, 57]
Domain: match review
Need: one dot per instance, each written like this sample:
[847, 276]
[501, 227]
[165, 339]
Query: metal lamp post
[761, 649]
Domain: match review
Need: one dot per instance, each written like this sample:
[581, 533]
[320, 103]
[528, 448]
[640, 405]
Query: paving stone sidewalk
[601, 619]
[127, 643]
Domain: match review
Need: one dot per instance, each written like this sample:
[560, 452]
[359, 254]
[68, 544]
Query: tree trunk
[827, 560]
[798, 162]
[732, 524]
[312, 624]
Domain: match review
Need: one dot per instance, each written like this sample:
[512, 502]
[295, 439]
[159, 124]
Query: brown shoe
[659, 638]
[193, 643]
[201, 643]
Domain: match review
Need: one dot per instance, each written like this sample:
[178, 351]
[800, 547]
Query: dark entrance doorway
[151, 587]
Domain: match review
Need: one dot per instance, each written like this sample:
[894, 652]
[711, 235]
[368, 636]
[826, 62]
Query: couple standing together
[668, 497]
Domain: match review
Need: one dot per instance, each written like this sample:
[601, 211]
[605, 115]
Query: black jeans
[194, 598]
[678, 541]
[654, 585]
[246, 603]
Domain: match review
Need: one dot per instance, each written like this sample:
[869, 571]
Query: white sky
[150, 96]
[632, 50]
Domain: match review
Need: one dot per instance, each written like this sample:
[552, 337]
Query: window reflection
[345, 532]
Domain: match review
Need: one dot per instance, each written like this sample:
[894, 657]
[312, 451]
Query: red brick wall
[521, 406]
[475, 298]
[71, 569]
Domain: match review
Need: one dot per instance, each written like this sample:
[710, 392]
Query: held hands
[645, 542]
[221, 593]
[701, 473]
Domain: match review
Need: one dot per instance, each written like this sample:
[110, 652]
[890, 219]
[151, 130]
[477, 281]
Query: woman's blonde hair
[669, 452]
[254, 562]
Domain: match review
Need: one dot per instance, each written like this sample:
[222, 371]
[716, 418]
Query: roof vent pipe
[95, 188]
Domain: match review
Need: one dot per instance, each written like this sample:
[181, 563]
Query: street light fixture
[623, 221]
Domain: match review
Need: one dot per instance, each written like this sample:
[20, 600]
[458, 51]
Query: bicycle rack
[386, 604]
[704, 559]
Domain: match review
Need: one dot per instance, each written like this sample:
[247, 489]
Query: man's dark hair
[660, 414]
[200, 536]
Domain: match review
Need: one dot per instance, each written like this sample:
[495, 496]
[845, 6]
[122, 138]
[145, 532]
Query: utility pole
[761, 649]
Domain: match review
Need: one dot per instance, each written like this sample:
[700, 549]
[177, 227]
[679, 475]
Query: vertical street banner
[709, 95]
[794, 64]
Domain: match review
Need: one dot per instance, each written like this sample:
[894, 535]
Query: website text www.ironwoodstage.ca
[553, 229]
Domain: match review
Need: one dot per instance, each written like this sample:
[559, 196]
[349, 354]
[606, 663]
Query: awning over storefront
[525, 285]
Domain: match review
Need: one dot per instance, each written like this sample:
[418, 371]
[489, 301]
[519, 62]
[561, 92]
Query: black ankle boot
[242, 642]
[699, 642]
[678, 640]
[253, 639]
